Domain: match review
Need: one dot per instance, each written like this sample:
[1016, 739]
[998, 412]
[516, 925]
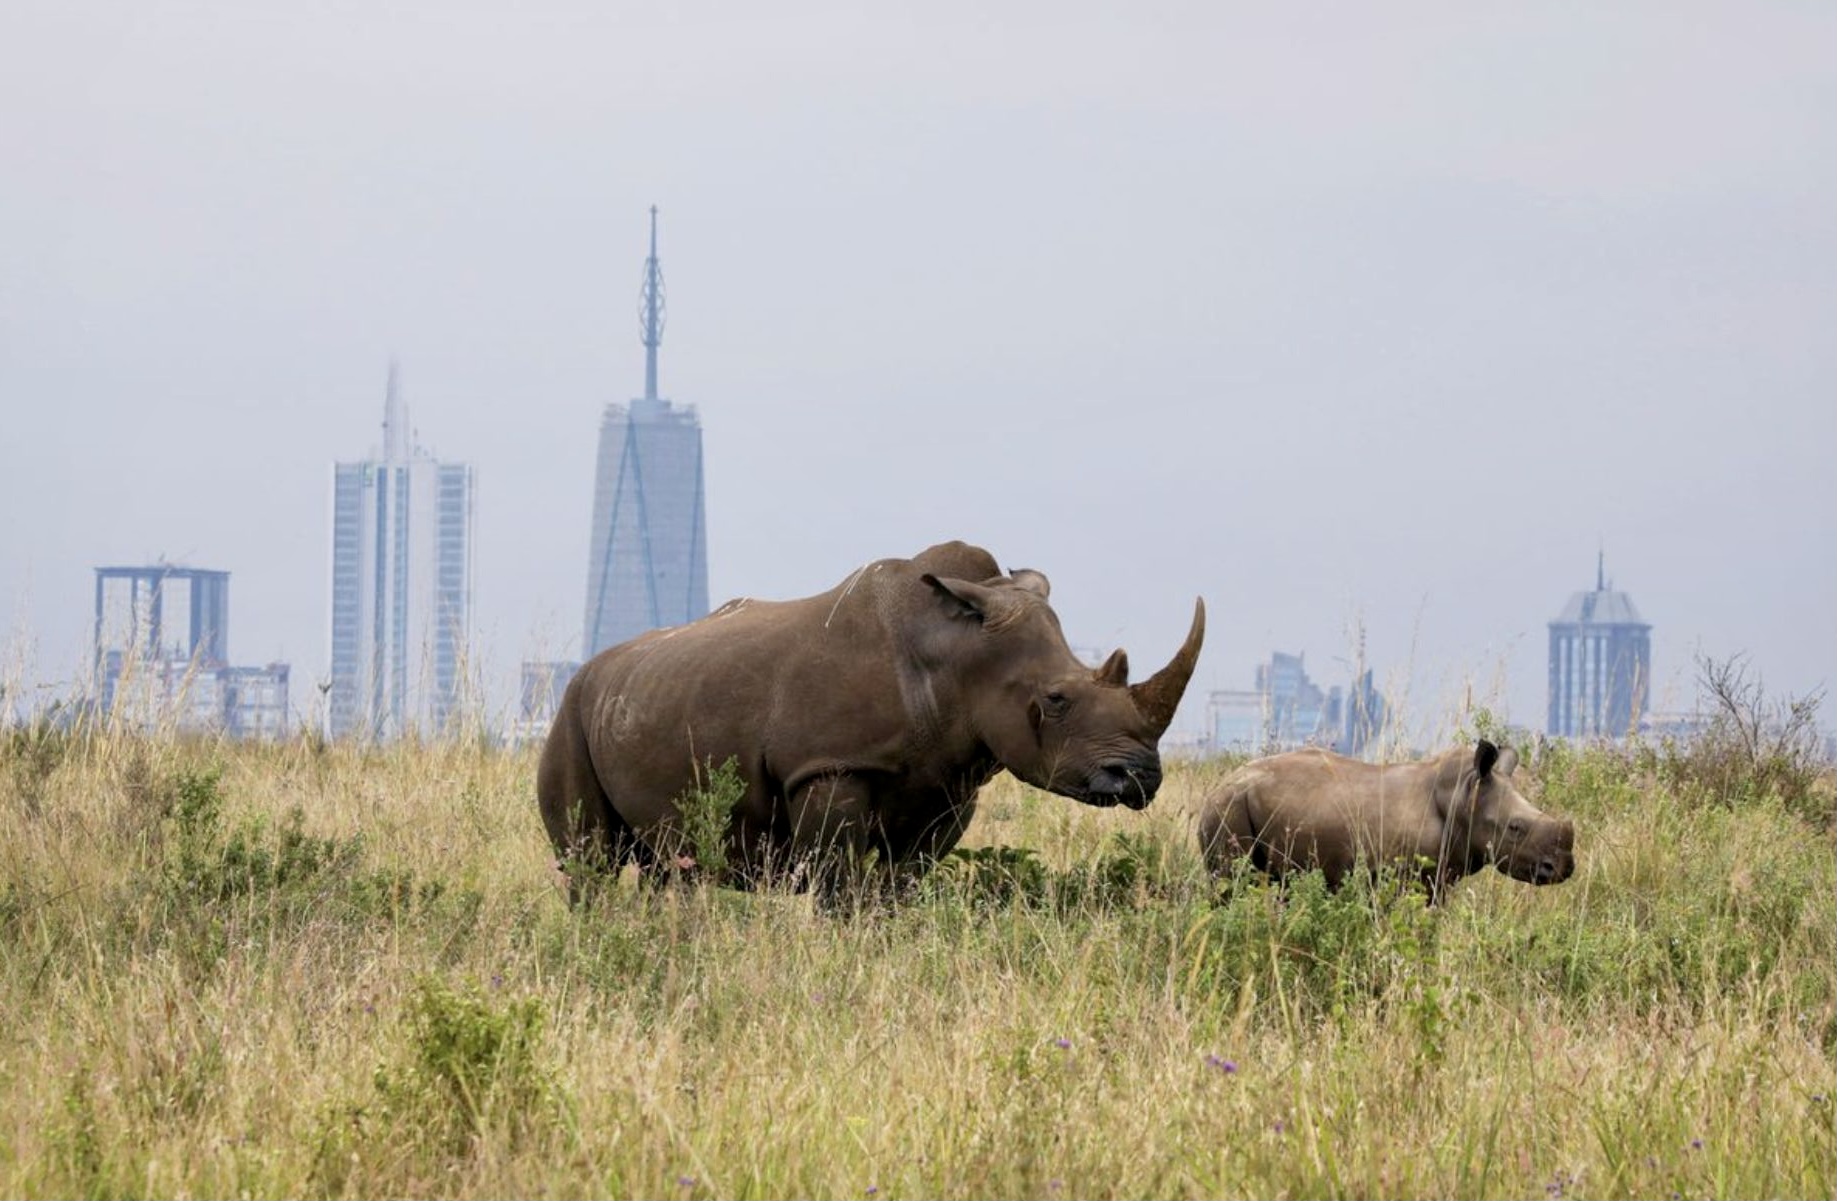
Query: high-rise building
[1366, 715]
[158, 614]
[1600, 664]
[647, 565]
[401, 586]
[162, 655]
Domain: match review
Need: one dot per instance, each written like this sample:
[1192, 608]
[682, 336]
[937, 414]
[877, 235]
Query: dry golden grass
[391, 997]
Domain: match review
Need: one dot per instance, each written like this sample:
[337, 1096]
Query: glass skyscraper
[1600, 664]
[647, 565]
[401, 587]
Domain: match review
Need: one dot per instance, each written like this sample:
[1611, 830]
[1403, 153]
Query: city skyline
[1380, 324]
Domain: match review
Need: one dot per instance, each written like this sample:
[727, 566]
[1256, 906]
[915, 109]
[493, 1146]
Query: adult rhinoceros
[861, 720]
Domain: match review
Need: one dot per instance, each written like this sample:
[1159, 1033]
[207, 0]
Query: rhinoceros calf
[861, 720]
[1450, 815]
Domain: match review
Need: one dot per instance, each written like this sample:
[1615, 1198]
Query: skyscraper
[1600, 664]
[401, 586]
[647, 565]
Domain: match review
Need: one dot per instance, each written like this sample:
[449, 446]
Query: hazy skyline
[1330, 314]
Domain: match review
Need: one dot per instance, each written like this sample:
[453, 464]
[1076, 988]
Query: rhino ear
[1508, 761]
[963, 598]
[1484, 757]
[1115, 669]
[1032, 581]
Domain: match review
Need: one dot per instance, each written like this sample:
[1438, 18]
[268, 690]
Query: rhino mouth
[1131, 786]
[1553, 869]
[1539, 870]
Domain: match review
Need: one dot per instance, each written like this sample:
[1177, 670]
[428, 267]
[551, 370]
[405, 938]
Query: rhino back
[790, 689]
[1313, 808]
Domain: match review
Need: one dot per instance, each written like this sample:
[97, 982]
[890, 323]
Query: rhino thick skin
[862, 722]
[1447, 816]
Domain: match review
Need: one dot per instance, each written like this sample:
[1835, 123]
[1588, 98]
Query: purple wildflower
[1064, 1044]
[686, 1181]
[1696, 1144]
[1227, 1066]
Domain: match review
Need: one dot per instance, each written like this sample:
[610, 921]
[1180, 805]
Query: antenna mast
[395, 421]
[651, 313]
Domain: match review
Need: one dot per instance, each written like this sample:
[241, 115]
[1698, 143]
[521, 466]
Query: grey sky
[1326, 312]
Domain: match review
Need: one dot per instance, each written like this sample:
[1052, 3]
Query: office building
[1600, 664]
[647, 564]
[161, 656]
[401, 587]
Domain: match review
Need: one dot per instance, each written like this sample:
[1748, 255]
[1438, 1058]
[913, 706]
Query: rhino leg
[831, 841]
[589, 836]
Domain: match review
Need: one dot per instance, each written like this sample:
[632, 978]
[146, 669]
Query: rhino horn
[1159, 695]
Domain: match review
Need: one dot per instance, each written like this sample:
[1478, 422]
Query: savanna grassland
[307, 970]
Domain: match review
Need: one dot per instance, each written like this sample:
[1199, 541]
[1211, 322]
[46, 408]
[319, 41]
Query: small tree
[1754, 745]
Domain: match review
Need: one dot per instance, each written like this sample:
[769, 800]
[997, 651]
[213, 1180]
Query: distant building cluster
[162, 656]
[1287, 710]
[401, 583]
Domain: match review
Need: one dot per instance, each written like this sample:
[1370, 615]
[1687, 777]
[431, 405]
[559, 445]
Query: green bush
[219, 878]
[469, 1058]
[707, 814]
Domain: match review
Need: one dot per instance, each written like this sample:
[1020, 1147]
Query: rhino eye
[1055, 704]
[1515, 826]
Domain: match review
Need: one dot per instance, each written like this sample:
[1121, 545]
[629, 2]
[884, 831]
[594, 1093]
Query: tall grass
[329, 970]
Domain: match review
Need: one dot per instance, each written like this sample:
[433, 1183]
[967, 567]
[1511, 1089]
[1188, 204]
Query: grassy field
[294, 970]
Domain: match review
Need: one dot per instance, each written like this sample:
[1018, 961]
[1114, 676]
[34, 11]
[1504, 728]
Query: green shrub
[279, 873]
[991, 877]
[472, 1063]
[707, 814]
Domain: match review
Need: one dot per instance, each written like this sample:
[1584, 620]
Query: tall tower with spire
[647, 562]
[1600, 663]
[401, 585]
